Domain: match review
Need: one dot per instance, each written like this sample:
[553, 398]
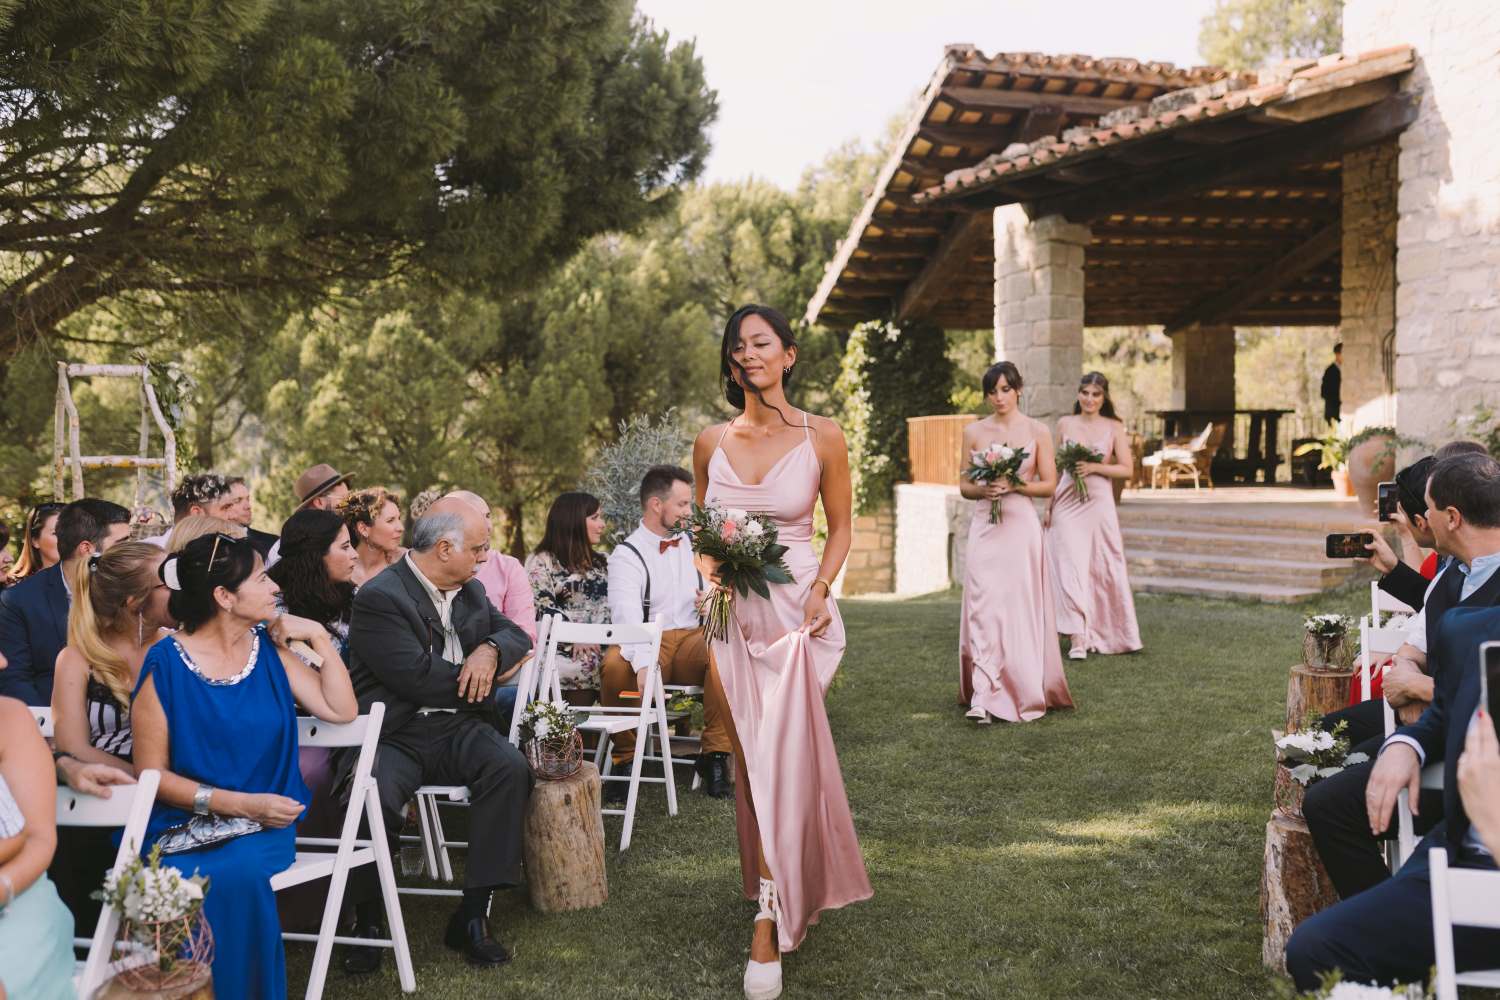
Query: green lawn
[1112, 851]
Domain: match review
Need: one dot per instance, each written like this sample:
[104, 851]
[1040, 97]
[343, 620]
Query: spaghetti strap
[806, 430]
[720, 443]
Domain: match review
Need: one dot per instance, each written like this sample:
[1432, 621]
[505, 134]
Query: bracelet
[827, 587]
[200, 800]
[58, 755]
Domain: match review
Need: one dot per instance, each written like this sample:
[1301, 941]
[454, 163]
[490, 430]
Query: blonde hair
[197, 525]
[103, 588]
[363, 507]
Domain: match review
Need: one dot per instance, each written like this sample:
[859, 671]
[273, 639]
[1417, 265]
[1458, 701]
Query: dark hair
[1008, 369]
[1411, 486]
[1460, 448]
[1338, 348]
[87, 520]
[734, 392]
[1095, 378]
[658, 480]
[306, 588]
[206, 564]
[31, 554]
[567, 537]
[1471, 485]
[200, 489]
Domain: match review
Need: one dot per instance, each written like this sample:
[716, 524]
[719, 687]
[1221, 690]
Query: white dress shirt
[674, 586]
[453, 649]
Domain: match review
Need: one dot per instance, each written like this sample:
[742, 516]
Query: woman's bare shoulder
[709, 436]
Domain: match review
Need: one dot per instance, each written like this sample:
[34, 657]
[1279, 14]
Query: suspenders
[646, 593]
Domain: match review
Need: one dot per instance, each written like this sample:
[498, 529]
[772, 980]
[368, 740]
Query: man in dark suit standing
[1333, 384]
[424, 635]
[34, 613]
[1384, 932]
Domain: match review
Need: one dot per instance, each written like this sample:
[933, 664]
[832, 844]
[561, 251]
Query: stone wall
[1039, 306]
[1203, 368]
[927, 516]
[871, 566]
[1368, 294]
[1447, 304]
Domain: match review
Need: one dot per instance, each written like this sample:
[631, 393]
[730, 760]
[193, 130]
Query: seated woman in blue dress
[215, 712]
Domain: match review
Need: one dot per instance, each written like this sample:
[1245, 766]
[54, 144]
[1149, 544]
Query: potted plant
[164, 945]
[1305, 757]
[1333, 453]
[1325, 642]
[553, 744]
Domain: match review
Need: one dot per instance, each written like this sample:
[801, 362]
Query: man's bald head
[471, 498]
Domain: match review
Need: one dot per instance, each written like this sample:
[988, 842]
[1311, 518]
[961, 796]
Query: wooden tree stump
[200, 988]
[1293, 886]
[564, 847]
[1316, 691]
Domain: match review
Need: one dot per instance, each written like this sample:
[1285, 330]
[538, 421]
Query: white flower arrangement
[1328, 626]
[147, 893]
[1339, 989]
[551, 722]
[1312, 754]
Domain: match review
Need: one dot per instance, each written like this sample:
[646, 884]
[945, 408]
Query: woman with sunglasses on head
[799, 854]
[1091, 586]
[228, 671]
[38, 542]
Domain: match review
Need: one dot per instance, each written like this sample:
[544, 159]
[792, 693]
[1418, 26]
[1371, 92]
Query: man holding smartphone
[1382, 930]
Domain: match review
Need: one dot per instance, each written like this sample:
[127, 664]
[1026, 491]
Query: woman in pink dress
[798, 851]
[1009, 664]
[1090, 584]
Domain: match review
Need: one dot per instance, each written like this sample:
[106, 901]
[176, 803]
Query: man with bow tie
[652, 573]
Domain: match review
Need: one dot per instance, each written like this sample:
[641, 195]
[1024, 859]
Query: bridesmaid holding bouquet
[1090, 584]
[1010, 666]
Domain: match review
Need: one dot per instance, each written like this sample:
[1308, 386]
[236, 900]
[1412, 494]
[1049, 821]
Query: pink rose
[728, 530]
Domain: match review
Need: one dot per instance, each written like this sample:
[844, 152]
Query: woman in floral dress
[569, 580]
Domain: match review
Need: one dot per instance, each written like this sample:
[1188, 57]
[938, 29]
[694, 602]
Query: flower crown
[363, 505]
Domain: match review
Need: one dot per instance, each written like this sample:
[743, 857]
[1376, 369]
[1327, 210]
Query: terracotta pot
[1371, 462]
[1341, 484]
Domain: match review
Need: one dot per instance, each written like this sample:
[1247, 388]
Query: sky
[798, 77]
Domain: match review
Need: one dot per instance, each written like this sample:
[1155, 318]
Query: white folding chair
[435, 842]
[1380, 601]
[349, 852]
[128, 806]
[606, 721]
[1468, 898]
[1406, 834]
[43, 716]
[1375, 644]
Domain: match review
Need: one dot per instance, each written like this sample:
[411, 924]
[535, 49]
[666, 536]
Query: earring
[786, 371]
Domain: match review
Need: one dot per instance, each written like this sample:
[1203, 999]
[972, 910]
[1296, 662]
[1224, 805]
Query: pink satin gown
[1091, 586]
[775, 677]
[1009, 663]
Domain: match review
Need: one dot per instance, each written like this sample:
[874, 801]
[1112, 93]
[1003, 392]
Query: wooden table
[1260, 448]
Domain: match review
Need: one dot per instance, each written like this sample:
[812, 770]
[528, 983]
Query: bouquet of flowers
[995, 464]
[749, 556]
[1328, 626]
[1315, 753]
[1069, 457]
[553, 744]
[159, 920]
[1325, 642]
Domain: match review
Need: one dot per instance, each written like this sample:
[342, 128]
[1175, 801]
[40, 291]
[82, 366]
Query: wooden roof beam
[1044, 119]
[953, 254]
[1257, 287]
[1224, 166]
[984, 99]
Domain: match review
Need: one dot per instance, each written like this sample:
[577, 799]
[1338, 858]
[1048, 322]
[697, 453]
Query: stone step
[1302, 574]
[1240, 520]
[1297, 546]
[1268, 593]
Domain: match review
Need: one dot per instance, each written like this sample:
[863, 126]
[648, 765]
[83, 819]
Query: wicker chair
[1190, 459]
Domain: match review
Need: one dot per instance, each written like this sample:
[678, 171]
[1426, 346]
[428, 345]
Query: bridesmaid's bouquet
[1069, 457]
[995, 464]
[749, 555]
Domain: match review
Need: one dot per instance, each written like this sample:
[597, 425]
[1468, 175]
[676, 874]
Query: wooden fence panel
[935, 446]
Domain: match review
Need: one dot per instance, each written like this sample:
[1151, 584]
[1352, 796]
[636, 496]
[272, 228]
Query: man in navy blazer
[1384, 934]
[34, 613]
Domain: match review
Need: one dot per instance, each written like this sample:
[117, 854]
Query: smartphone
[1349, 544]
[1489, 678]
[1385, 506]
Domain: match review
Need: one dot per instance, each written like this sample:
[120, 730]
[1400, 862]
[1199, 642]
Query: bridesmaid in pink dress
[1092, 589]
[798, 851]
[1009, 664]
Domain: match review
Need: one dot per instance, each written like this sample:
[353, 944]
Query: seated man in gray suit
[424, 635]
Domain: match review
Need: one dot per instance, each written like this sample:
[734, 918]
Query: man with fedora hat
[320, 487]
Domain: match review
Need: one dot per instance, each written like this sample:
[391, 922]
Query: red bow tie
[670, 543]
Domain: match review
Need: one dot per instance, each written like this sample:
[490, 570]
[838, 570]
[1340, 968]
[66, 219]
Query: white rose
[1322, 741]
[1006, 454]
[736, 515]
[755, 529]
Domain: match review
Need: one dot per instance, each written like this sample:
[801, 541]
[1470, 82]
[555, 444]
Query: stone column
[1039, 306]
[1367, 297]
[1202, 368]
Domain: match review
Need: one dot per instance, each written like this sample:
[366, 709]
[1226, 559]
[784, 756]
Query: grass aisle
[1114, 851]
